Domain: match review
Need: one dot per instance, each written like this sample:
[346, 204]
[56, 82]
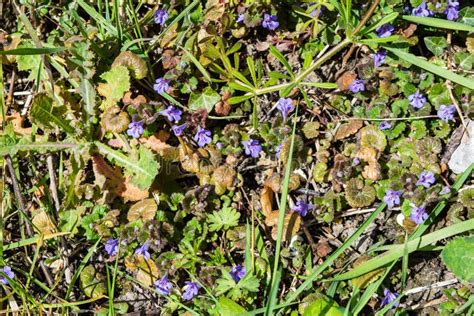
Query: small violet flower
[277, 150]
[389, 297]
[417, 100]
[384, 125]
[190, 289]
[302, 207]
[285, 106]
[418, 215]
[240, 18]
[270, 22]
[445, 190]
[452, 10]
[357, 86]
[8, 272]
[384, 30]
[237, 272]
[163, 286]
[111, 247]
[203, 137]
[161, 85]
[143, 251]
[172, 113]
[315, 11]
[392, 198]
[426, 179]
[252, 147]
[135, 129]
[178, 129]
[422, 10]
[355, 162]
[379, 57]
[446, 113]
[161, 16]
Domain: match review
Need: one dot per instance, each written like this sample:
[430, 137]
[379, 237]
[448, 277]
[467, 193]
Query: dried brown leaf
[42, 223]
[291, 225]
[266, 200]
[144, 210]
[345, 80]
[348, 129]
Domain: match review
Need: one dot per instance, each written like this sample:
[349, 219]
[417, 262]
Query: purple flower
[302, 207]
[392, 198]
[252, 147]
[355, 162]
[421, 10]
[8, 272]
[143, 251]
[384, 125]
[163, 285]
[190, 289]
[285, 106]
[161, 16]
[389, 297]
[452, 10]
[315, 11]
[203, 137]
[418, 214]
[277, 150]
[161, 85]
[417, 100]
[446, 113]
[357, 86]
[178, 129]
[135, 129]
[172, 113]
[426, 179]
[445, 190]
[270, 22]
[112, 246]
[379, 57]
[237, 272]
[384, 30]
[240, 18]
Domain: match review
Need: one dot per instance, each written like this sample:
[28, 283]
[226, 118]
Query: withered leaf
[348, 129]
[266, 200]
[291, 224]
[144, 210]
[42, 223]
[345, 80]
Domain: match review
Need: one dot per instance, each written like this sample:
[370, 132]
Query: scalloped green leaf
[117, 83]
[458, 256]
[324, 306]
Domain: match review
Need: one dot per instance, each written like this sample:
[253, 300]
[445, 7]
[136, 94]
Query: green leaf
[90, 283]
[143, 171]
[44, 114]
[223, 219]
[466, 15]
[464, 60]
[227, 307]
[117, 83]
[325, 307]
[11, 148]
[281, 59]
[419, 62]
[436, 44]
[441, 23]
[458, 256]
[205, 99]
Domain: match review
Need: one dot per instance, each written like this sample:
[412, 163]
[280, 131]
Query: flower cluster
[392, 198]
[285, 106]
[452, 10]
[379, 57]
[270, 22]
[161, 16]
[384, 30]
[422, 10]
[112, 246]
[446, 113]
[252, 148]
[418, 214]
[135, 129]
[143, 251]
[8, 272]
[203, 137]
[357, 86]
[417, 100]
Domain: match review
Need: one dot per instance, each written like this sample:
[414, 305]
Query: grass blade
[412, 246]
[196, 63]
[293, 296]
[441, 23]
[419, 62]
[32, 51]
[281, 219]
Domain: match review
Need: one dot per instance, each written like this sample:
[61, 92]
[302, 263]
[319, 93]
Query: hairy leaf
[458, 256]
[48, 116]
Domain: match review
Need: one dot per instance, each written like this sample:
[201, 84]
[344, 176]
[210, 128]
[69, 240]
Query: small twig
[428, 304]
[366, 17]
[21, 203]
[449, 85]
[431, 286]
